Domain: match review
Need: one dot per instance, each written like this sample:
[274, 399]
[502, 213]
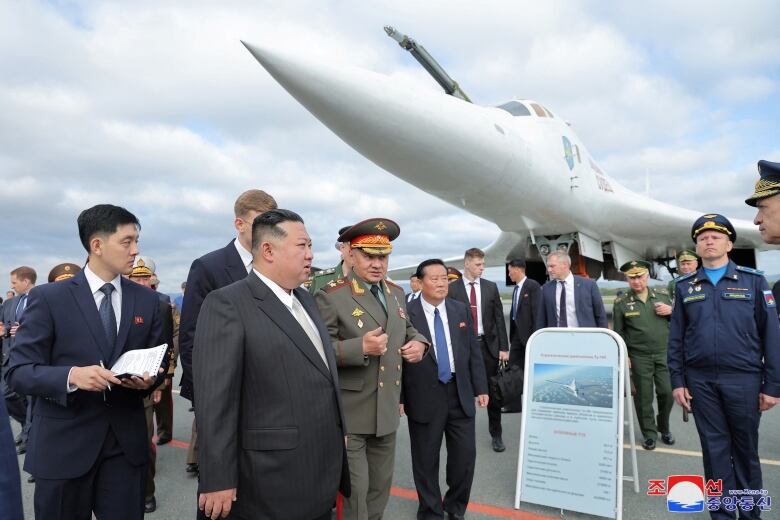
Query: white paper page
[136, 362]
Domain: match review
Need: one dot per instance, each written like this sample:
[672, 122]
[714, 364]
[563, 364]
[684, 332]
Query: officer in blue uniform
[724, 357]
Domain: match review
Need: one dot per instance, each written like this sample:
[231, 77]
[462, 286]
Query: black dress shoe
[192, 468]
[667, 438]
[163, 439]
[22, 448]
[31, 479]
[150, 506]
[453, 516]
[649, 444]
[498, 444]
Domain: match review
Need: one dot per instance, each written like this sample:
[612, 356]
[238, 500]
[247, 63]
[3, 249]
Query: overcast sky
[157, 106]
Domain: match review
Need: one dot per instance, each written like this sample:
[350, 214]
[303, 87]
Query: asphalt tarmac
[495, 476]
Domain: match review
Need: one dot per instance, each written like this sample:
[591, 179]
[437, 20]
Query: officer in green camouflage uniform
[320, 279]
[641, 317]
[687, 262]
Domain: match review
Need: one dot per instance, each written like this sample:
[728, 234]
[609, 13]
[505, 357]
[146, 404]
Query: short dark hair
[517, 262]
[266, 225]
[420, 273]
[474, 252]
[103, 219]
[25, 273]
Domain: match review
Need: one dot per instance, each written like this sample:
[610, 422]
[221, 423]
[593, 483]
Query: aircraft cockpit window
[515, 108]
[539, 110]
[548, 112]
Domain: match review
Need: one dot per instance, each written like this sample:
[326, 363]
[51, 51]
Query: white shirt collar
[246, 256]
[427, 307]
[284, 296]
[569, 279]
[95, 282]
[466, 281]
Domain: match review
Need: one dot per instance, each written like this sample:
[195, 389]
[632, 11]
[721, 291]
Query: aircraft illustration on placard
[518, 165]
[572, 387]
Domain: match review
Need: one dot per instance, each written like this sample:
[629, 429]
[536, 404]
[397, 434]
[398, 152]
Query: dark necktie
[563, 320]
[20, 308]
[514, 302]
[108, 318]
[442, 354]
[473, 305]
[375, 292]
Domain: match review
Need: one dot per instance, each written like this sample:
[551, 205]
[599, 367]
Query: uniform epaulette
[335, 285]
[661, 290]
[393, 284]
[684, 277]
[750, 270]
[618, 299]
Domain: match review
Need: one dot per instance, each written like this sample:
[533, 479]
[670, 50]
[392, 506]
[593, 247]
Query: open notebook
[136, 362]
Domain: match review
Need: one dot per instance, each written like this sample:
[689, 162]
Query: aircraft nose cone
[421, 136]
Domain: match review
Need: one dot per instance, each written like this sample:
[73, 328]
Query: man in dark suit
[270, 422]
[524, 312]
[15, 403]
[88, 449]
[570, 300]
[487, 316]
[218, 269]
[523, 316]
[10, 488]
[438, 395]
[212, 271]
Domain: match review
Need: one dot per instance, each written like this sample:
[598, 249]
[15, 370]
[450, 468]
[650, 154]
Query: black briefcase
[507, 384]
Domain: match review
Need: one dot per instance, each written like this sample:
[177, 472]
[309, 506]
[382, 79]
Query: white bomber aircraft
[518, 165]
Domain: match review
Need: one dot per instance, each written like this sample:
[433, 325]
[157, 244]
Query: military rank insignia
[769, 299]
[358, 312]
[356, 287]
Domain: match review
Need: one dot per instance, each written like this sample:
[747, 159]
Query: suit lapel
[85, 301]
[126, 316]
[483, 300]
[314, 313]
[279, 314]
[235, 268]
[452, 318]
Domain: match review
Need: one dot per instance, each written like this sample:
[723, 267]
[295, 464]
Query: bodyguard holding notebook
[88, 448]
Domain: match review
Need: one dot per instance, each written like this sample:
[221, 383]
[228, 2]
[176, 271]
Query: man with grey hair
[569, 300]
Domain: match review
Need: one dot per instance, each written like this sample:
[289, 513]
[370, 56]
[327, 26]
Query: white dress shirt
[412, 296]
[571, 310]
[478, 290]
[429, 316]
[95, 283]
[287, 299]
[246, 256]
[519, 290]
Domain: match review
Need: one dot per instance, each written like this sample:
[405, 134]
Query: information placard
[571, 441]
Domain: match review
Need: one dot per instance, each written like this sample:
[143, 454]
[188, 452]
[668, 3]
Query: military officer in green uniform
[372, 336]
[320, 279]
[641, 317]
[687, 262]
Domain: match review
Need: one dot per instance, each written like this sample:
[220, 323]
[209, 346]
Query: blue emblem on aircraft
[568, 153]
